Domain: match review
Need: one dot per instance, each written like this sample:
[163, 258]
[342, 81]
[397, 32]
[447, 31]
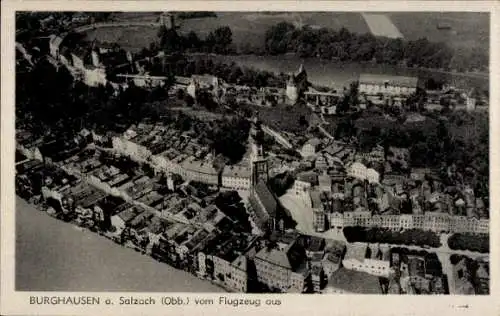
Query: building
[355, 257]
[310, 147]
[483, 278]
[378, 262]
[325, 183]
[301, 187]
[283, 268]
[54, 44]
[167, 20]
[200, 171]
[336, 219]
[319, 214]
[332, 259]
[265, 207]
[297, 85]
[371, 84]
[360, 171]
[121, 220]
[207, 83]
[359, 257]
[236, 177]
[345, 281]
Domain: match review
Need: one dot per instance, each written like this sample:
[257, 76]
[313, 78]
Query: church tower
[167, 20]
[259, 166]
[292, 93]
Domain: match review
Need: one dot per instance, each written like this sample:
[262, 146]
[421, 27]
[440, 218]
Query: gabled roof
[314, 142]
[291, 258]
[355, 282]
[267, 198]
[241, 263]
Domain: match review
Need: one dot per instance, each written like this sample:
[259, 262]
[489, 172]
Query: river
[339, 74]
[55, 256]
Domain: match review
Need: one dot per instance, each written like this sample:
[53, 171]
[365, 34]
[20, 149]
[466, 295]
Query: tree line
[383, 235]
[343, 45]
[469, 241]
[217, 41]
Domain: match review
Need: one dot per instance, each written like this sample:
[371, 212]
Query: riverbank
[52, 255]
[340, 74]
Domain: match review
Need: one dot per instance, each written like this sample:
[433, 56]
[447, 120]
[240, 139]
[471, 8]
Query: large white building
[236, 177]
[372, 84]
[360, 171]
[361, 258]
[310, 147]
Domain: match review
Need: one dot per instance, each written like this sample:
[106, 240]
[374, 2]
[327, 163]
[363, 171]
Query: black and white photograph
[264, 152]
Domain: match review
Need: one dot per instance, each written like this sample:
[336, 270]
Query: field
[466, 28]
[249, 28]
[381, 25]
[285, 118]
[132, 38]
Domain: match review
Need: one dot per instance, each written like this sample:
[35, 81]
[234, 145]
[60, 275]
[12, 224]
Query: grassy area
[285, 118]
[249, 28]
[132, 38]
[135, 16]
[467, 28]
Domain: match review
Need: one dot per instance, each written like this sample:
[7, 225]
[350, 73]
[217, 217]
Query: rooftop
[236, 171]
[401, 81]
[266, 198]
[314, 142]
[193, 165]
[356, 252]
[315, 199]
[130, 213]
[354, 282]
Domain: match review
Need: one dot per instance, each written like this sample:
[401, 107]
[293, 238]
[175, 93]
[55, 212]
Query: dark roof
[110, 203]
[266, 198]
[291, 259]
[315, 199]
[355, 282]
[316, 244]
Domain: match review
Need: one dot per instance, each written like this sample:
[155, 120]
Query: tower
[291, 90]
[193, 88]
[260, 171]
[258, 162]
[167, 20]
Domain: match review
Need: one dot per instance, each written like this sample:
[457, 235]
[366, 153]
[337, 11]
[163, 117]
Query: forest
[343, 45]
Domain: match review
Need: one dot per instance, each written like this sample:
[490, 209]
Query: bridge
[322, 97]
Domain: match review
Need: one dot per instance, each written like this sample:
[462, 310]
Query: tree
[170, 41]
[223, 38]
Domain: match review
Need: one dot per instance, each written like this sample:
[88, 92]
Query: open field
[381, 25]
[132, 38]
[135, 16]
[249, 28]
[467, 29]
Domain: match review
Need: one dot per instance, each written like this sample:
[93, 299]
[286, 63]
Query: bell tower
[258, 162]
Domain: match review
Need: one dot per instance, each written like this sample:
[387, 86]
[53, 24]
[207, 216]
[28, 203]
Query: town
[282, 186]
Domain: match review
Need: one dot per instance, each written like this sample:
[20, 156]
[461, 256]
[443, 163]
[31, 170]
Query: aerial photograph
[252, 152]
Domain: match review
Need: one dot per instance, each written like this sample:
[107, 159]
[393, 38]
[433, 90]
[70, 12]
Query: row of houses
[207, 245]
[190, 167]
[432, 221]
